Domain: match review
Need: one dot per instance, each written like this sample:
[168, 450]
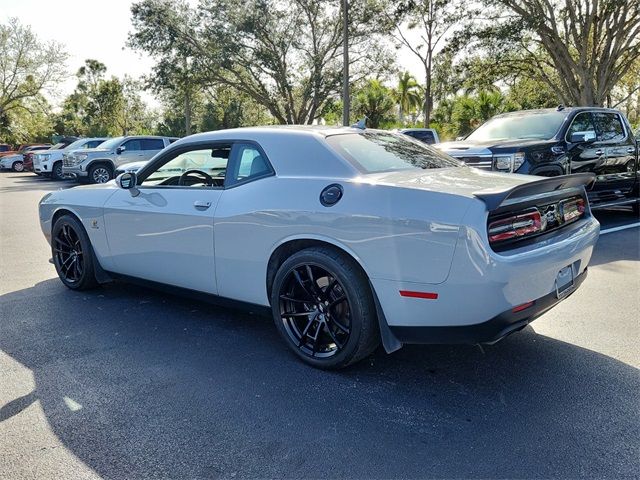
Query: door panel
[610, 157]
[165, 235]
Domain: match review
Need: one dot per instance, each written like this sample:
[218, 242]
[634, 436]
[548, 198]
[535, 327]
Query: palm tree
[374, 101]
[408, 95]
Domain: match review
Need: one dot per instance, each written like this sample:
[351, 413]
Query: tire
[320, 328]
[17, 166]
[100, 173]
[56, 171]
[72, 254]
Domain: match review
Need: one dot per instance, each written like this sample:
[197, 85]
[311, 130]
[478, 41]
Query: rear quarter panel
[394, 233]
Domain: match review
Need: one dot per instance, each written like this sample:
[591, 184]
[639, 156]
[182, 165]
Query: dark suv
[551, 142]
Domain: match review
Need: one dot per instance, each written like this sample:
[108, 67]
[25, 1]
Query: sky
[98, 30]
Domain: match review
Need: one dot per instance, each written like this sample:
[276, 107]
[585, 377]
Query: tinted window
[251, 163]
[133, 145]
[608, 127]
[378, 152]
[93, 144]
[527, 125]
[152, 144]
[583, 124]
[425, 136]
[212, 161]
[4, 148]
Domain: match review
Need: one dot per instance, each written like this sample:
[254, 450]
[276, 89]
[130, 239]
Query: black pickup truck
[559, 141]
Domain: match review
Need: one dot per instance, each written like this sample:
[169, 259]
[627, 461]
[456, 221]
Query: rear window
[372, 152]
[425, 136]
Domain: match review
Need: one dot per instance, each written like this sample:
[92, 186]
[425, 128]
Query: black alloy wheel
[72, 254]
[323, 307]
[315, 311]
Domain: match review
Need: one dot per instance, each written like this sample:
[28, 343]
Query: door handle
[598, 152]
[631, 150]
[201, 205]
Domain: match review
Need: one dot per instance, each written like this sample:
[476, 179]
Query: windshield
[57, 146]
[372, 152]
[77, 144]
[541, 126]
[111, 143]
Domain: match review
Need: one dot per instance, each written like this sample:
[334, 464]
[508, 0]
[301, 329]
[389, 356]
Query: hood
[465, 146]
[132, 166]
[91, 150]
[462, 181]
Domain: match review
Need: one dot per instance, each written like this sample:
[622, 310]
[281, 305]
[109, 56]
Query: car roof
[560, 109]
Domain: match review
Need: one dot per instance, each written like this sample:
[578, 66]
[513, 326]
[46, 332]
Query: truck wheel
[100, 173]
[18, 166]
[56, 171]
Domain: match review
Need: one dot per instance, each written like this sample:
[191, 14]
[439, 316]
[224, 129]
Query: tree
[407, 95]
[375, 101]
[285, 55]
[28, 67]
[433, 21]
[581, 49]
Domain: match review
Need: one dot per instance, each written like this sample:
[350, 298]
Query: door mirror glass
[583, 137]
[120, 149]
[126, 180]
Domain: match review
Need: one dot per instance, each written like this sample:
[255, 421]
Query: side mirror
[128, 181]
[583, 137]
[120, 149]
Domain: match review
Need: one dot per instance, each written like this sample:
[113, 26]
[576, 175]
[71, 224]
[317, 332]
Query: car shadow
[137, 384]
[27, 181]
[616, 247]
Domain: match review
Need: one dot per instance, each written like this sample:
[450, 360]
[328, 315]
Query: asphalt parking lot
[125, 382]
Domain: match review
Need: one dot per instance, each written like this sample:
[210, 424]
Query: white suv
[49, 163]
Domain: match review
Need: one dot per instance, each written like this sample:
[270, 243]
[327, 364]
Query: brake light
[572, 209]
[526, 223]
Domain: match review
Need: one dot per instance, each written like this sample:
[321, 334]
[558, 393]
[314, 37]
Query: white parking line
[617, 229]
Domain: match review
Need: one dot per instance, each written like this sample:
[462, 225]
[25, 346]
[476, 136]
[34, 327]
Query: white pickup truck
[49, 162]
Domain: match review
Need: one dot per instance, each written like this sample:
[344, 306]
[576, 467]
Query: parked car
[49, 163]
[551, 142]
[99, 164]
[426, 135]
[28, 157]
[6, 149]
[15, 160]
[130, 167]
[346, 235]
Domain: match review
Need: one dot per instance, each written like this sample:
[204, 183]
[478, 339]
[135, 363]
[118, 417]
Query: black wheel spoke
[314, 286]
[328, 288]
[333, 336]
[336, 302]
[304, 332]
[301, 283]
[63, 243]
[332, 319]
[67, 249]
[296, 314]
[289, 298]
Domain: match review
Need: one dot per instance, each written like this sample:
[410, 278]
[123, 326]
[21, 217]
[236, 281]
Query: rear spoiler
[494, 199]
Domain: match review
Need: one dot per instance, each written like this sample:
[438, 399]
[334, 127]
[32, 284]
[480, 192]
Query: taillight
[521, 225]
[572, 209]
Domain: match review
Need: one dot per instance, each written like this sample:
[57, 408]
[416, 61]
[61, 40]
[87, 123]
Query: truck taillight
[516, 226]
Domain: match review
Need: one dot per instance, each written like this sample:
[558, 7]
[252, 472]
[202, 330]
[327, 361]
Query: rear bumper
[490, 331]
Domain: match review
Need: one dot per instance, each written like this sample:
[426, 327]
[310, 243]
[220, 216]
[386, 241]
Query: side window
[583, 124]
[608, 127]
[152, 144]
[132, 145]
[249, 163]
[93, 144]
[206, 167]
